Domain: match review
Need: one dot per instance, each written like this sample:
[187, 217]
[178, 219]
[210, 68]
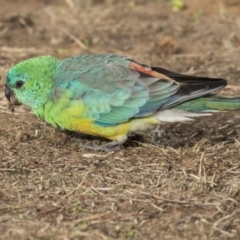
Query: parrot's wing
[198, 86]
[113, 92]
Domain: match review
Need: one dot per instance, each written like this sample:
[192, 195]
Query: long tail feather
[211, 103]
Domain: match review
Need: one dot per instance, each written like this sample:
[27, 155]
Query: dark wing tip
[198, 86]
[188, 80]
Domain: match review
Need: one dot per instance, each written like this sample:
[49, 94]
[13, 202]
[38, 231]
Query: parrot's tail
[211, 103]
[198, 107]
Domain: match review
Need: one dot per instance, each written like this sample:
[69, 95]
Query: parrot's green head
[30, 82]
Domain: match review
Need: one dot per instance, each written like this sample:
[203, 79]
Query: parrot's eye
[19, 84]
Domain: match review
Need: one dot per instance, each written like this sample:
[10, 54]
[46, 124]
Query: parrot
[111, 96]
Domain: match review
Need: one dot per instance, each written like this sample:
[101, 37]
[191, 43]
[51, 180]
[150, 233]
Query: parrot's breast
[74, 118]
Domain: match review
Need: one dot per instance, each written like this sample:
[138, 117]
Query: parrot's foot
[109, 147]
[158, 133]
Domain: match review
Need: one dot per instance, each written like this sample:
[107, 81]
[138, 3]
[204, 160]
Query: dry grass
[181, 181]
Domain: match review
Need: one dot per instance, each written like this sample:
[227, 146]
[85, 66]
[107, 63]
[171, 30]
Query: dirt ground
[180, 181]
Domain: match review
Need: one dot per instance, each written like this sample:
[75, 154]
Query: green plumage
[211, 103]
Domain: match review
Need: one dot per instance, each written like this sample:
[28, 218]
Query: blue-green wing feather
[112, 92]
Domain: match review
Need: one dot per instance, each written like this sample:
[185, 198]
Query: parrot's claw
[109, 147]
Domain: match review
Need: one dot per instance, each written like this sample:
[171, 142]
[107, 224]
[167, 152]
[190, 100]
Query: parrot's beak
[10, 96]
[8, 92]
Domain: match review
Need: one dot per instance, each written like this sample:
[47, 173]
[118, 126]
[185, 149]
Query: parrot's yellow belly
[113, 132]
[73, 119]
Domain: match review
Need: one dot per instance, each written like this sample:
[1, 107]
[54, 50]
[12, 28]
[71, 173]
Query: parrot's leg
[109, 147]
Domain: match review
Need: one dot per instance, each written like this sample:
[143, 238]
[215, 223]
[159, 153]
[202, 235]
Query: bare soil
[180, 181]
